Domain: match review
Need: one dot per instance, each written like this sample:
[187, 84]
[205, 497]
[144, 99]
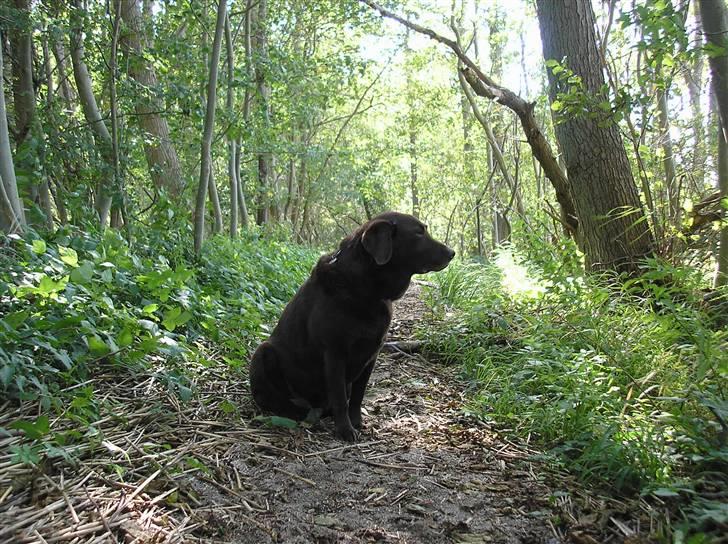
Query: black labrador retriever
[320, 355]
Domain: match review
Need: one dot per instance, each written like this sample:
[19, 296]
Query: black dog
[322, 351]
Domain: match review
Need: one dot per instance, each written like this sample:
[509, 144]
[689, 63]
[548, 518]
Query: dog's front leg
[335, 367]
[357, 393]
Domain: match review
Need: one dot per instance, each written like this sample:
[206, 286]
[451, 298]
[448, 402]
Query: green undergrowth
[624, 383]
[75, 301]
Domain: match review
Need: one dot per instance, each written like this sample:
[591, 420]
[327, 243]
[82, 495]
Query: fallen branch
[403, 346]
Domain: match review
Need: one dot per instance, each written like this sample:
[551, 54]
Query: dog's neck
[351, 270]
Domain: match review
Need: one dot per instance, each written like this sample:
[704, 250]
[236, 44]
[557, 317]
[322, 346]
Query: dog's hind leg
[268, 384]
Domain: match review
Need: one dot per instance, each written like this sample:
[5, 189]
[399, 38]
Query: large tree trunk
[162, 159]
[26, 122]
[714, 16]
[12, 215]
[613, 232]
[22, 68]
[209, 125]
[93, 115]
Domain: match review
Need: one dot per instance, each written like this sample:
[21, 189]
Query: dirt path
[154, 469]
[421, 472]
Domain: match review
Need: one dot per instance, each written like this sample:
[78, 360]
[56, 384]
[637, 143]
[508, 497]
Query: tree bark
[232, 144]
[668, 161]
[413, 171]
[12, 215]
[22, 68]
[613, 231]
[721, 273]
[714, 16]
[209, 125]
[694, 81]
[214, 202]
[27, 123]
[93, 115]
[162, 159]
[262, 95]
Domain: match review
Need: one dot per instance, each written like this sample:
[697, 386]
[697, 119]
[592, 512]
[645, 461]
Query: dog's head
[401, 242]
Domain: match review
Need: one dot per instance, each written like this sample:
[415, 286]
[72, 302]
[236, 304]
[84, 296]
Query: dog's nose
[450, 253]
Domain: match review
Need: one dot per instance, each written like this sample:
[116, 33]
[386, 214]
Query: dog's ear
[377, 240]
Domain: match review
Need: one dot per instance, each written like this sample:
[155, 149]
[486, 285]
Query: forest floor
[153, 469]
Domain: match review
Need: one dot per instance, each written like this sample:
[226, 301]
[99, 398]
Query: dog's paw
[356, 421]
[347, 433]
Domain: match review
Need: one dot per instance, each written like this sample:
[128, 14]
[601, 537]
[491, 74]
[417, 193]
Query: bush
[73, 301]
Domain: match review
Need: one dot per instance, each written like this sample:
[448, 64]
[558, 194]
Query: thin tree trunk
[668, 161]
[232, 145]
[59, 52]
[22, 68]
[214, 202]
[12, 215]
[244, 216]
[694, 81]
[413, 172]
[116, 211]
[613, 232]
[162, 159]
[265, 171]
[93, 115]
[209, 125]
[721, 274]
[494, 145]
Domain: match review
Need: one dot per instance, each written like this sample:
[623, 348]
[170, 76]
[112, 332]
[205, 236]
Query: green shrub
[625, 383]
[73, 301]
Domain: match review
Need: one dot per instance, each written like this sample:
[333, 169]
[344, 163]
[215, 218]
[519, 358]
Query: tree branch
[484, 86]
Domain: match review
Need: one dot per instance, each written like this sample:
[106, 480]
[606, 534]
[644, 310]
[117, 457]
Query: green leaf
[15, 319]
[185, 393]
[665, 492]
[277, 421]
[227, 407]
[39, 247]
[175, 317]
[68, 256]
[150, 308]
[33, 430]
[48, 286]
[125, 338]
[83, 274]
[96, 346]
[25, 455]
